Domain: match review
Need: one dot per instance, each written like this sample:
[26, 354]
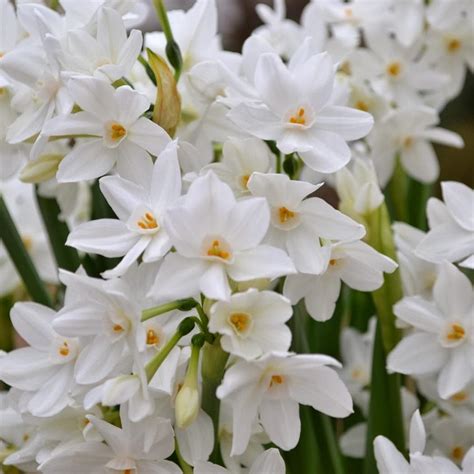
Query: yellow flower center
[453, 45]
[240, 321]
[117, 328]
[117, 131]
[285, 215]
[127, 471]
[147, 222]
[346, 68]
[244, 180]
[456, 333]
[276, 380]
[459, 396]
[216, 250]
[394, 69]
[299, 118]
[333, 262]
[64, 349]
[152, 337]
[362, 105]
[408, 142]
[457, 453]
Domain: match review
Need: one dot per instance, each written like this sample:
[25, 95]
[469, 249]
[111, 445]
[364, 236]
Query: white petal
[419, 313]
[351, 124]
[87, 160]
[443, 136]
[131, 103]
[122, 195]
[270, 461]
[418, 353]
[420, 161]
[120, 390]
[329, 223]
[456, 374]
[33, 322]
[130, 50]
[459, 200]
[323, 389]
[148, 135]
[320, 302]
[297, 287]
[417, 434]
[129, 259]
[281, 421]
[453, 291]
[214, 283]
[133, 163]
[261, 262]
[389, 459]
[108, 237]
[80, 123]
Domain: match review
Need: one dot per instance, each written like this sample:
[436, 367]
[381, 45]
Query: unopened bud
[187, 406]
[42, 169]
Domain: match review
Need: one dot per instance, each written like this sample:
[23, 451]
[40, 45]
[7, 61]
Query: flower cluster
[192, 291]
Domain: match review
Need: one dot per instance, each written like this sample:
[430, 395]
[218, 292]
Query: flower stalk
[182, 305]
[21, 259]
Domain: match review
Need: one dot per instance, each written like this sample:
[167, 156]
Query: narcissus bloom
[216, 238]
[443, 338]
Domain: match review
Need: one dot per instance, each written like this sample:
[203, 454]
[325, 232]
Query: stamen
[457, 453]
[457, 332]
[459, 396]
[408, 142]
[299, 118]
[285, 214]
[147, 222]
[276, 380]
[362, 105]
[151, 337]
[117, 131]
[64, 349]
[333, 262]
[215, 250]
[394, 69]
[240, 321]
[117, 328]
[244, 180]
[453, 45]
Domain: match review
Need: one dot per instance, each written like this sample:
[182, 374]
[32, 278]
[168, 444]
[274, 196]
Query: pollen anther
[151, 337]
[394, 69]
[299, 118]
[457, 332]
[147, 222]
[117, 131]
[285, 214]
[276, 380]
[216, 250]
[240, 321]
[453, 45]
[64, 349]
[117, 328]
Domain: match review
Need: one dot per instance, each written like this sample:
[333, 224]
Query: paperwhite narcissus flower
[443, 338]
[299, 224]
[391, 461]
[451, 235]
[120, 135]
[216, 237]
[107, 316]
[269, 462]
[140, 447]
[272, 387]
[296, 112]
[108, 54]
[241, 158]
[140, 207]
[407, 133]
[252, 323]
[45, 369]
[358, 189]
[356, 264]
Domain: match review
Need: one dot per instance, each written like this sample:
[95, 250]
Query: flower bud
[187, 406]
[42, 169]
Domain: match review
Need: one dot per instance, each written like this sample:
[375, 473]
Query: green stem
[6, 327]
[182, 305]
[418, 195]
[185, 327]
[202, 315]
[214, 360]
[148, 69]
[398, 191]
[173, 52]
[20, 257]
[185, 467]
[333, 447]
[58, 231]
[385, 397]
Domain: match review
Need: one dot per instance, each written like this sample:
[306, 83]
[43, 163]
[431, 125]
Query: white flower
[107, 316]
[451, 235]
[241, 158]
[357, 264]
[252, 323]
[45, 370]
[140, 207]
[407, 132]
[443, 338]
[269, 462]
[358, 189]
[418, 275]
[121, 136]
[139, 447]
[216, 237]
[295, 111]
[391, 461]
[273, 386]
[299, 224]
